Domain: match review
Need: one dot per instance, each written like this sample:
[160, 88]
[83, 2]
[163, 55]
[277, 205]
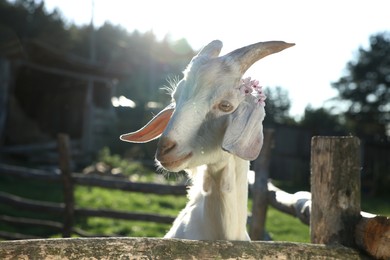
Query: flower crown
[252, 87]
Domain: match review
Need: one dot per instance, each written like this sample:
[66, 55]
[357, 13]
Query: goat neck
[217, 207]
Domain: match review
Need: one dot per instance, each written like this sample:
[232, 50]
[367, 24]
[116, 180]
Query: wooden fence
[332, 209]
[68, 210]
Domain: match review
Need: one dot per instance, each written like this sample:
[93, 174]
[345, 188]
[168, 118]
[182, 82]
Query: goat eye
[225, 106]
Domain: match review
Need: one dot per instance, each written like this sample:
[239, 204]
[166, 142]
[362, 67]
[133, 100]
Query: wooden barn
[44, 92]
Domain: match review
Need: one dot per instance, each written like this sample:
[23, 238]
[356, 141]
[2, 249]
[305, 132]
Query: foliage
[277, 107]
[321, 121]
[127, 168]
[135, 171]
[366, 88]
[140, 62]
[27, 19]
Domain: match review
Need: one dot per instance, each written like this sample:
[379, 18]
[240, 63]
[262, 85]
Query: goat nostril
[166, 145]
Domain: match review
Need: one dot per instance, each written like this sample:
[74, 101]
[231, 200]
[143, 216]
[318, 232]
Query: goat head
[209, 117]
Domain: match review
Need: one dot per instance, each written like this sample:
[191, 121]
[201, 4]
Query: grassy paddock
[280, 226]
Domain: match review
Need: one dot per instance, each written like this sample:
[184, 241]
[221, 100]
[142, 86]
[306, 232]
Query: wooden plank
[88, 212]
[66, 176]
[5, 75]
[297, 204]
[88, 117]
[116, 183]
[15, 236]
[335, 189]
[58, 209]
[151, 248]
[373, 235]
[260, 190]
[65, 73]
[34, 148]
[31, 222]
[94, 181]
[18, 221]
[33, 205]
[28, 173]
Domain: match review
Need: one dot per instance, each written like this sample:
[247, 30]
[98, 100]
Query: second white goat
[212, 129]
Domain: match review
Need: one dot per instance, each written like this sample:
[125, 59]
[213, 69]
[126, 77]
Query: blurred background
[97, 69]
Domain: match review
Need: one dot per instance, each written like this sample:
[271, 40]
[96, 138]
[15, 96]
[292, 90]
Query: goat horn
[248, 55]
[212, 49]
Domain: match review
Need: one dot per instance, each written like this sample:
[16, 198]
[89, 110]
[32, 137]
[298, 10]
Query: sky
[327, 34]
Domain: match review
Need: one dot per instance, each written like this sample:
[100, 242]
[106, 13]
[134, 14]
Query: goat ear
[244, 133]
[152, 130]
[212, 49]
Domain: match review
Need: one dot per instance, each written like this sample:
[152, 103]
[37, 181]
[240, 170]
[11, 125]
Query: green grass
[279, 225]
[99, 198]
[283, 227]
[35, 190]
[377, 205]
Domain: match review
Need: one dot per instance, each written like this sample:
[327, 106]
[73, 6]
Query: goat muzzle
[165, 146]
[168, 155]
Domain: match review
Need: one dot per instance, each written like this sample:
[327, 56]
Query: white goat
[212, 129]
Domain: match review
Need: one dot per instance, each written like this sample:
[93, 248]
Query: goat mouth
[176, 163]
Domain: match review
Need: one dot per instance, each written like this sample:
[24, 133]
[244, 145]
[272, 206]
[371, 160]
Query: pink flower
[246, 86]
[260, 99]
[252, 87]
[255, 84]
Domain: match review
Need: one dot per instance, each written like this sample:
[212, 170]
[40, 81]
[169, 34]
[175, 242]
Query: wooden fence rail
[332, 208]
[59, 209]
[54, 225]
[94, 181]
[152, 248]
[68, 210]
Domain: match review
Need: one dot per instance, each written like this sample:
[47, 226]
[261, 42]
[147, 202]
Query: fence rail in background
[68, 209]
[59, 209]
[94, 181]
[328, 159]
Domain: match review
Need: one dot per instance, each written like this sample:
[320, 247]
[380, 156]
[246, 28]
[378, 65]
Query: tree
[140, 62]
[27, 19]
[277, 106]
[366, 87]
[321, 122]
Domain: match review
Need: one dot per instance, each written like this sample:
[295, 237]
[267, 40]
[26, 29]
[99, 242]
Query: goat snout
[168, 155]
[165, 146]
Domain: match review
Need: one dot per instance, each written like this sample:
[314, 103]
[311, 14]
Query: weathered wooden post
[260, 188]
[335, 189]
[66, 174]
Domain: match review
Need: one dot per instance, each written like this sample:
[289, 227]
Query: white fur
[217, 207]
